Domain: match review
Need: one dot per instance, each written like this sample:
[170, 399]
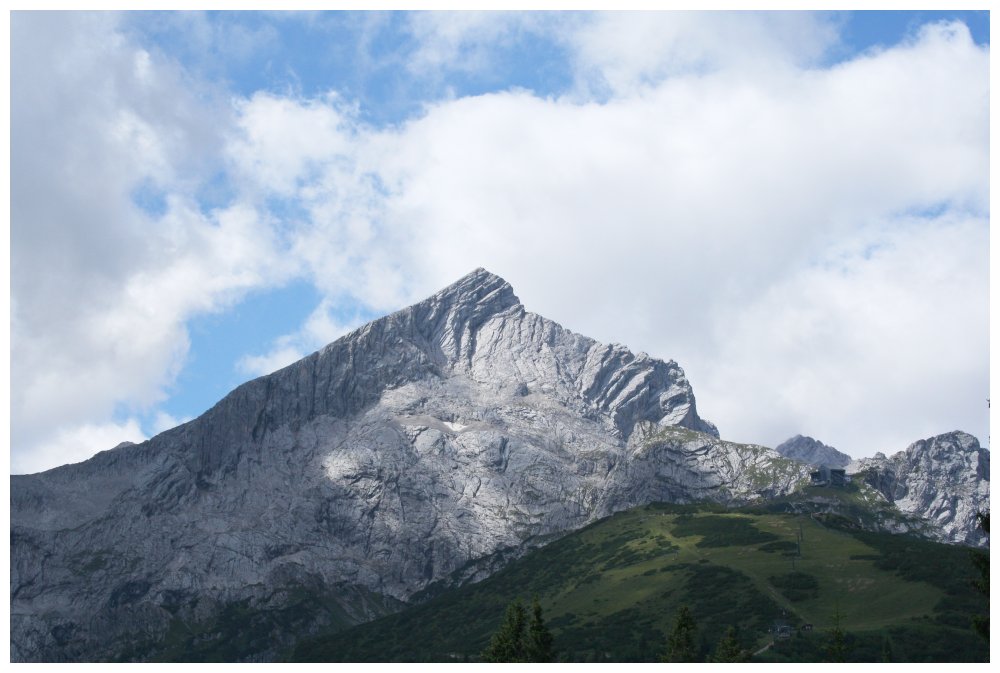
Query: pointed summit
[479, 288]
[417, 446]
[452, 317]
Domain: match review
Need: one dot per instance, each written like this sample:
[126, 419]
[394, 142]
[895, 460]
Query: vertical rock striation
[428, 445]
[437, 438]
[944, 480]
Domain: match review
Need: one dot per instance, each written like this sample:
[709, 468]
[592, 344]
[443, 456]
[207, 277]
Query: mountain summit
[441, 439]
[425, 449]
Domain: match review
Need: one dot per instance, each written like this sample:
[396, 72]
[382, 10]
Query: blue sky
[199, 198]
[363, 55]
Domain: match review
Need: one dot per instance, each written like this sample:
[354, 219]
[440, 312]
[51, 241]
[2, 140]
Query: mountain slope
[610, 591]
[454, 434]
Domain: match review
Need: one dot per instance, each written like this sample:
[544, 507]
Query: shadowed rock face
[448, 434]
[944, 480]
[813, 452]
[430, 445]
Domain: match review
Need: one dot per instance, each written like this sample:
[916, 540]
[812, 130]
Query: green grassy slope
[609, 593]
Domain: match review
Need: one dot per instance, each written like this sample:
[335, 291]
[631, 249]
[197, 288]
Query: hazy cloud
[621, 53]
[74, 443]
[320, 328]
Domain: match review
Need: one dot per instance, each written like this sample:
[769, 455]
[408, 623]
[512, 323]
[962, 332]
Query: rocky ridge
[943, 481]
[434, 443]
[428, 441]
[812, 452]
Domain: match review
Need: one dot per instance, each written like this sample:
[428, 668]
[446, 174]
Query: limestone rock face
[429, 446]
[944, 480]
[812, 452]
[456, 431]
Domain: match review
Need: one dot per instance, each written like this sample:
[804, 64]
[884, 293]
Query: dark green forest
[745, 584]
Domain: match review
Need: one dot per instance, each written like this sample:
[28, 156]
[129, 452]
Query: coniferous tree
[886, 650]
[508, 643]
[682, 643]
[539, 645]
[836, 648]
[981, 623]
[729, 650]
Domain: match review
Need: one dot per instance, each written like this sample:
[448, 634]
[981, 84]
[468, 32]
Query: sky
[794, 206]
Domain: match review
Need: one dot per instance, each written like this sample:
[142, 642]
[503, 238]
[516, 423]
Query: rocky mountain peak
[427, 441]
[814, 452]
[477, 290]
[943, 479]
[430, 444]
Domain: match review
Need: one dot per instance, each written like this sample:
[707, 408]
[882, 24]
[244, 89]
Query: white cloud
[882, 343]
[625, 52]
[669, 214]
[655, 219]
[162, 421]
[463, 40]
[319, 329]
[757, 219]
[282, 141]
[72, 444]
[101, 290]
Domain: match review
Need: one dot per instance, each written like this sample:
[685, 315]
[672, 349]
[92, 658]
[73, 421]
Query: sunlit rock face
[431, 445]
[450, 435]
[944, 480]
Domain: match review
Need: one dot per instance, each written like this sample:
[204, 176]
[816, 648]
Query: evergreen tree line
[519, 639]
[682, 643]
[525, 639]
[522, 640]
[981, 561]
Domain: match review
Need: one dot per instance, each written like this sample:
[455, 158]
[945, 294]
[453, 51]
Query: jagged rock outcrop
[458, 429]
[812, 452]
[944, 480]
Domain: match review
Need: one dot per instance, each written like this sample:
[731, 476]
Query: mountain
[943, 480]
[610, 592]
[812, 452]
[432, 445]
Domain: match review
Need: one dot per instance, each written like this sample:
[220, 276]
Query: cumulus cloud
[663, 215]
[282, 142]
[101, 288]
[674, 214]
[621, 53]
[73, 443]
[804, 240]
[880, 343]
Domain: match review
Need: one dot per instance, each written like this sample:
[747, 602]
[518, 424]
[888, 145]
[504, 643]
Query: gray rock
[442, 437]
[812, 452]
[944, 480]
[432, 444]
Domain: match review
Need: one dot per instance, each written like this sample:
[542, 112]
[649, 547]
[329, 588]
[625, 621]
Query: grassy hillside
[610, 591]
